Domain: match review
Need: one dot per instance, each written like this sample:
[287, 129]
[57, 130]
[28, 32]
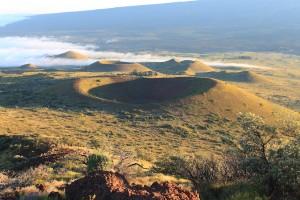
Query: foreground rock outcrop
[114, 186]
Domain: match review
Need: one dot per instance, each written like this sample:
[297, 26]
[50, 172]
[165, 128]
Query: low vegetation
[262, 161]
[96, 163]
[262, 164]
[57, 127]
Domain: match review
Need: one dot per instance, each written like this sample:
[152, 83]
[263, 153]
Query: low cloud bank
[16, 51]
[239, 65]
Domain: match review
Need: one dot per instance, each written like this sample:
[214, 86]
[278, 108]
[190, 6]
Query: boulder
[113, 186]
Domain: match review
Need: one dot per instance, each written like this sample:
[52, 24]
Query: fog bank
[16, 51]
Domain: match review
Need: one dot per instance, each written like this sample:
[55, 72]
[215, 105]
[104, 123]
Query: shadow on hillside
[21, 152]
[42, 91]
[154, 91]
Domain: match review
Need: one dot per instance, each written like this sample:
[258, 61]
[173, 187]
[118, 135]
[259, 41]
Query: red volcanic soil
[113, 186]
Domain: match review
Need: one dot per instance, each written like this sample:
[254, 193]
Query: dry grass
[241, 76]
[148, 180]
[283, 71]
[58, 107]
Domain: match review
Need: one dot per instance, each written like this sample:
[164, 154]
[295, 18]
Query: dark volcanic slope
[199, 26]
[154, 90]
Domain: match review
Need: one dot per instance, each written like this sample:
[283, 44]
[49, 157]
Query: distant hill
[115, 66]
[194, 67]
[174, 66]
[72, 55]
[243, 76]
[28, 67]
[198, 26]
[21, 69]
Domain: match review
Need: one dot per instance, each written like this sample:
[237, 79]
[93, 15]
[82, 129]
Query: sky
[23, 7]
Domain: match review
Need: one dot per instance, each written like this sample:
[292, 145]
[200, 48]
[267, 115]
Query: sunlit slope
[72, 55]
[194, 67]
[243, 76]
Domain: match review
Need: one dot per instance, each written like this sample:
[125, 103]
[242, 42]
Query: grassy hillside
[281, 69]
[51, 113]
[86, 118]
[61, 111]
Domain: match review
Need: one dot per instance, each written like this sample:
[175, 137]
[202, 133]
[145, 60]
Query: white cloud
[53, 6]
[229, 64]
[16, 51]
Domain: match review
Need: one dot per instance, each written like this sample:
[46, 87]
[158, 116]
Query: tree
[286, 168]
[262, 154]
[255, 143]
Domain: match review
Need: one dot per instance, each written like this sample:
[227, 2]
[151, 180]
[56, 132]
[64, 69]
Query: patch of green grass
[239, 191]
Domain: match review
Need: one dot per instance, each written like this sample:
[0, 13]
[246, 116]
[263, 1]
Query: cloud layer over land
[17, 51]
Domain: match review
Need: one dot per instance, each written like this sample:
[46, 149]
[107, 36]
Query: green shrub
[200, 171]
[172, 165]
[235, 191]
[96, 162]
[286, 169]
[270, 163]
[245, 196]
[261, 160]
[21, 152]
